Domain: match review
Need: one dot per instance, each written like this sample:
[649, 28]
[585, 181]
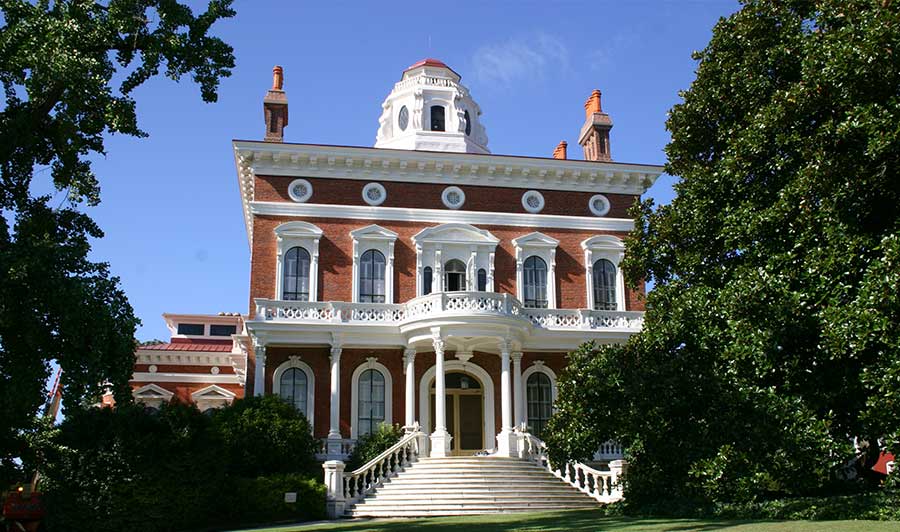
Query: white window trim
[537, 367]
[604, 247]
[380, 239]
[473, 246]
[446, 201]
[529, 208]
[212, 397]
[602, 212]
[377, 186]
[159, 395]
[294, 234]
[300, 199]
[539, 245]
[370, 363]
[295, 362]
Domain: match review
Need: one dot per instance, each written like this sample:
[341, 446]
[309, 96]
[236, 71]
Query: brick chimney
[560, 151]
[594, 136]
[275, 107]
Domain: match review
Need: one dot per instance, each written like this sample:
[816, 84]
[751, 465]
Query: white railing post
[335, 502]
[618, 468]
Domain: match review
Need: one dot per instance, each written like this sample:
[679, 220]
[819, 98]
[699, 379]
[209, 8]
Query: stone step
[462, 498]
[508, 482]
[440, 490]
[467, 510]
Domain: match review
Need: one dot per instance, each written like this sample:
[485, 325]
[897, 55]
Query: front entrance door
[465, 412]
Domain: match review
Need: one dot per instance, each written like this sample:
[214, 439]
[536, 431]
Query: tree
[57, 65]
[772, 336]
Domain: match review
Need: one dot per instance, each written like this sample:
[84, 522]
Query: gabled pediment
[373, 232]
[213, 393]
[152, 391]
[606, 242]
[535, 240]
[298, 229]
[454, 233]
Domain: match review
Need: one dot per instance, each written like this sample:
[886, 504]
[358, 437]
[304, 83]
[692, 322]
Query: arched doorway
[465, 412]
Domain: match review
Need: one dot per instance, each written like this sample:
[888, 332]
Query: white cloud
[520, 58]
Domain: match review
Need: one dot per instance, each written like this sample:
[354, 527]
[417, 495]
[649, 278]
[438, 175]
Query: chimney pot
[275, 107]
[592, 105]
[560, 151]
[277, 78]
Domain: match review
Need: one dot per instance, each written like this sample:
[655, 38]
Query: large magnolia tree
[58, 60]
[772, 336]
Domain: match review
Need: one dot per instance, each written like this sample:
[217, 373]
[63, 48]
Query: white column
[314, 272]
[334, 428]
[507, 443]
[409, 360]
[389, 275]
[518, 390]
[259, 374]
[551, 281]
[440, 438]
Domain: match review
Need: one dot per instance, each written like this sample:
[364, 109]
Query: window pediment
[213, 393]
[373, 232]
[603, 242]
[535, 240]
[298, 230]
[152, 391]
[454, 233]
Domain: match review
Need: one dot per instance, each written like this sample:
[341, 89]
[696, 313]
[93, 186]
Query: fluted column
[440, 438]
[334, 427]
[507, 443]
[259, 374]
[518, 390]
[409, 360]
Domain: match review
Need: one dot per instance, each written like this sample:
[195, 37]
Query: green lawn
[583, 520]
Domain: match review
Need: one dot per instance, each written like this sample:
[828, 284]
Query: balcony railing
[445, 304]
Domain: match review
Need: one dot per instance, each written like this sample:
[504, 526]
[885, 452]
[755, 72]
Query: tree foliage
[772, 336]
[58, 63]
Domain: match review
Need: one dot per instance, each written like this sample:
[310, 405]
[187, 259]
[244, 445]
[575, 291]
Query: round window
[374, 194]
[599, 205]
[403, 118]
[300, 190]
[533, 201]
[453, 197]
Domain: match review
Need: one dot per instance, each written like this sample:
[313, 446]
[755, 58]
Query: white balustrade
[603, 486]
[347, 446]
[446, 303]
[357, 484]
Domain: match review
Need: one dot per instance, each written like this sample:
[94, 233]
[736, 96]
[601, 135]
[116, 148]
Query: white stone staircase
[470, 485]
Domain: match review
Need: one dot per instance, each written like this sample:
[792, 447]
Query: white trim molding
[604, 247]
[536, 245]
[380, 194]
[373, 364]
[295, 362]
[298, 234]
[446, 197]
[487, 385]
[533, 201]
[152, 395]
[300, 190]
[537, 367]
[437, 245]
[212, 397]
[380, 239]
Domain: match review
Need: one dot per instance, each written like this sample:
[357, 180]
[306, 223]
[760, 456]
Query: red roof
[429, 62]
[192, 346]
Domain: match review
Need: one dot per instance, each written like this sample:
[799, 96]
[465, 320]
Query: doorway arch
[487, 384]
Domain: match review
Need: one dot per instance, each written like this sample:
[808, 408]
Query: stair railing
[603, 486]
[371, 476]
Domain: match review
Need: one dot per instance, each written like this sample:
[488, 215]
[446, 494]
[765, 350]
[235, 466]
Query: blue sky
[170, 205]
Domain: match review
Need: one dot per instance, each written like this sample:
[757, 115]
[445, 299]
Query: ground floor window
[540, 402]
[294, 388]
[371, 401]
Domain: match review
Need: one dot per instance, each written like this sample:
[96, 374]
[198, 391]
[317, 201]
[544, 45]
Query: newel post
[619, 468]
[335, 502]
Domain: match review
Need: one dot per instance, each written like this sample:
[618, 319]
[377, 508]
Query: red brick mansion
[423, 281]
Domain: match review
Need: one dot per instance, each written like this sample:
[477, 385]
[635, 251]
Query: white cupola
[429, 109]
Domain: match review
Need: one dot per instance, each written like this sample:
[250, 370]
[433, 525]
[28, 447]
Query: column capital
[409, 355]
[505, 347]
[259, 344]
[336, 351]
[516, 356]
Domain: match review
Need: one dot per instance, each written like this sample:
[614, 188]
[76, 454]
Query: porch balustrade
[439, 304]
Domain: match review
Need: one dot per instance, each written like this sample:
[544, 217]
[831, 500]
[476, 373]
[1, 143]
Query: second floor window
[296, 275]
[427, 279]
[535, 279]
[482, 280]
[454, 276]
[604, 285]
[371, 277]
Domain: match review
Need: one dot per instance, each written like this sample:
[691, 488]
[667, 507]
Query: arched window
[540, 402]
[427, 279]
[482, 280]
[293, 388]
[535, 280]
[371, 401]
[454, 276]
[604, 285]
[437, 118]
[295, 280]
[468, 123]
[371, 277]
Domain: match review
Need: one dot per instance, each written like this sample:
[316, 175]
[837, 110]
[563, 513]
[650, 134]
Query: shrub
[261, 500]
[371, 445]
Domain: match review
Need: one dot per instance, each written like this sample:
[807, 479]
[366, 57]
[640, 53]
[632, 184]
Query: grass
[581, 520]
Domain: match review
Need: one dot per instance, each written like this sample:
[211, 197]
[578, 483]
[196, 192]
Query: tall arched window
[540, 402]
[604, 285]
[482, 280]
[371, 277]
[371, 401]
[293, 388]
[535, 279]
[454, 276]
[437, 118]
[427, 279]
[295, 279]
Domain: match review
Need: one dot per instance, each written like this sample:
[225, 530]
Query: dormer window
[191, 329]
[222, 330]
[437, 118]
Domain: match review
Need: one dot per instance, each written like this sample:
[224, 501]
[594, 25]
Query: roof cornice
[352, 162]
